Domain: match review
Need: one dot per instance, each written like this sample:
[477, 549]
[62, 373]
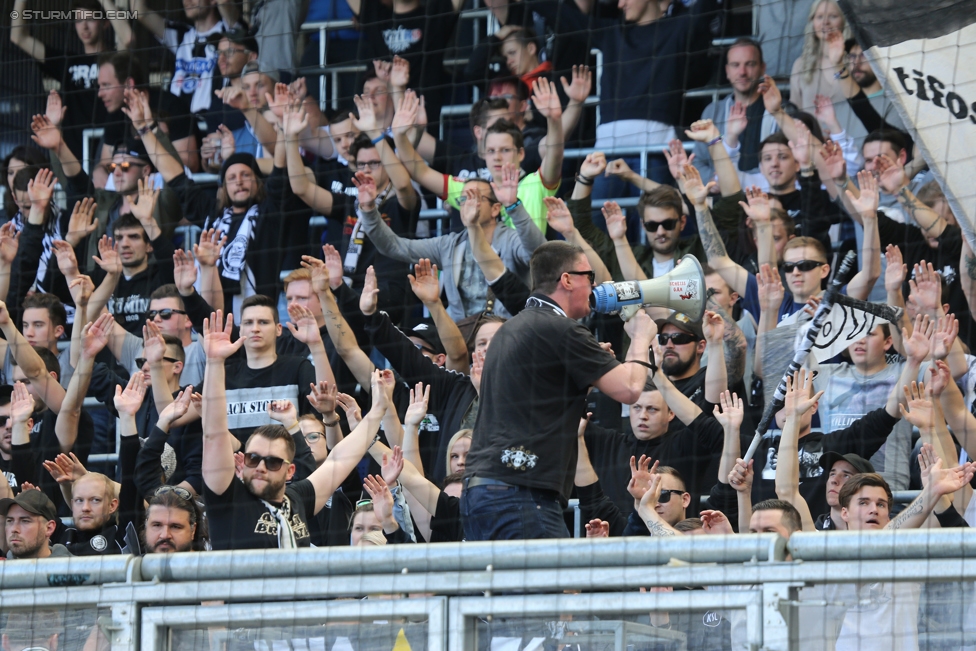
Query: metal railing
[773, 588]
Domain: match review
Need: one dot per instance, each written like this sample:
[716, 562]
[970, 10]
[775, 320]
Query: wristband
[375, 439]
[842, 74]
[518, 202]
[716, 140]
[334, 423]
[377, 139]
[842, 186]
[583, 180]
[146, 129]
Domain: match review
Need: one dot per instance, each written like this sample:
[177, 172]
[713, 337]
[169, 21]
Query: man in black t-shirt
[258, 511]
[522, 462]
[94, 508]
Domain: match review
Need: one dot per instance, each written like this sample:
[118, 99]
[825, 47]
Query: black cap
[241, 37]
[239, 159]
[683, 323]
[32, 501]
[134, 148]
[861, 465]
[427, 331]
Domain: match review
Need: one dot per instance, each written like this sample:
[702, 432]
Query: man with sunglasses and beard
[258, 511]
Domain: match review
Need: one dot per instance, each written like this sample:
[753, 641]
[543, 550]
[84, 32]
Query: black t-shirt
[78, 74]
[421, 36]
[249, 390]
[166, 107]
[129, 303]
[445, 523]
[533, 393]
[239, 520]
[9, 474]
[337, 179]
[463, 165]
[93, 543]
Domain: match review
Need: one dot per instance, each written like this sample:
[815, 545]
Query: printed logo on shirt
[269, 526]
[84, 75]
[711, 619]
[11, 478]
[519, 458]
[188, 73]
[132, 307]
[249, 407]
[98, 543]
[400, 39]
[338, 188]
[809, 464]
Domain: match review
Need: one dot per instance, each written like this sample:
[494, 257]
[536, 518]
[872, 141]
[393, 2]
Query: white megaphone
[682, 290]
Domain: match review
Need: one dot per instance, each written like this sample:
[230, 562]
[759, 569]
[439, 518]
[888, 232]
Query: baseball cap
[240, 37]
[683, 323]
[32, 501]
[862, 465]
[134, 148]
[427, 331]
[254, 66]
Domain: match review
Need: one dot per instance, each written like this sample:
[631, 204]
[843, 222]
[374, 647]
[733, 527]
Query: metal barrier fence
[774, 595]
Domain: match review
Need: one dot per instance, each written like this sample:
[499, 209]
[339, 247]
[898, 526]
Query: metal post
[322, 55]
[780, 627]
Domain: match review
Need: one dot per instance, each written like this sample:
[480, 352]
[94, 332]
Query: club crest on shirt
[400, 39]
[98, 543]
[519, 458]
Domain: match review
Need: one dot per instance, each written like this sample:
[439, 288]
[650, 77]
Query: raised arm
[94, 337]
[423, 282]
[799, 400]
[206, 251]
[771, 294]
[123, 32]
[757, 211]
[318, 198]
[152, 21]
[706, 132]
[729, 413]
[867, 206]
[577, 92]
[45, 385]
[218, 443]
[649, 515]
[20, 34]
[47, 135]
[716, 373]
[138, 110]
[546, 102]
[369, 124]
[626, 381]
[304, 328]
[561, 221]
[616, 222]
[679, 403]
[941, 482]
[414, 163]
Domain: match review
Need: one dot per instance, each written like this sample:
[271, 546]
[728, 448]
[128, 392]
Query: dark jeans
[511, 513]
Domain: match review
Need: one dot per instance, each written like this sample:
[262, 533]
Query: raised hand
[227, 143]
[40, 189]
[558, 216]
[320, 274]
[641, 473]
[770, 288]
[677, 158]
[294, 121]
[477, 368]
[298, 89]
[367, 121]
[280, 101]
[729, 412]
[81, 289]
[217, 343]
[66, 469]
[82, 222]
[833, 45]
[9, 242]
[799, 393]
[383, 69]
[696, 192]
[46, 135]
[703, 131]
[233, 97]
[946, 330]
[367, 191]
[21, 403]
[283, 411]
[184, 271]
[713, 328]
[757, 210]
[618, 168]
[741, 475]
[207, 251]
[772, 98]
[333, 263]
[470, 201]
[891, 174]
[597, 529]
[926, 288]
[382, 499]
[833, 160]
[594, 164]
[176, 409]
[65, 253]
[423, 282]
[108, 256]
[715, 523]
[94, 336]
[136, 107]
[392, 465]
[55, 109]
[129, 400]
[582, 84]
[918, 345]
[417, 409]
[616, 221]
[802, 145]
[399, 73]
[350, 407]
[144, 201]
[824, 112]
[896, 271]
[944, 481]
[153, 344]
[302, 324]
[545, 99]
[937, 379]
[323, 398]
[736, 123]
[506, 188]
[407, 113]
[867, 204]
[371, 293]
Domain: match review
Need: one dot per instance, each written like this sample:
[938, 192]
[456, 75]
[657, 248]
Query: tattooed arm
[931, 222]
[735, 345]
[649, 516]
[941, 482]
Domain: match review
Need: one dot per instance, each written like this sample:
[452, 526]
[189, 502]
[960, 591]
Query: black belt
[471, 482]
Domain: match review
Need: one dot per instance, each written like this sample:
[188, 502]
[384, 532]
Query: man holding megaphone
[522, 462]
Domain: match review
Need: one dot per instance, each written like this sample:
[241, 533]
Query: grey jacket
[718, 112]
[514, 246]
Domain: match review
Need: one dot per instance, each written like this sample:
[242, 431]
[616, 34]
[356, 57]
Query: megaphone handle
[752, 447]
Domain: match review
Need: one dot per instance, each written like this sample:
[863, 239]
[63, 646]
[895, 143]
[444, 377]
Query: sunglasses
[165, 314]
[251, 460]
[4, 420]
[666, 495]
[180, 492]
[125, 167]
[677, 338]
[141, 361]
[667, 224]
[589, 274]
[802, 265]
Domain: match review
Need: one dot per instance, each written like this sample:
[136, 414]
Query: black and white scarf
[233, 259]
[51, 232]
